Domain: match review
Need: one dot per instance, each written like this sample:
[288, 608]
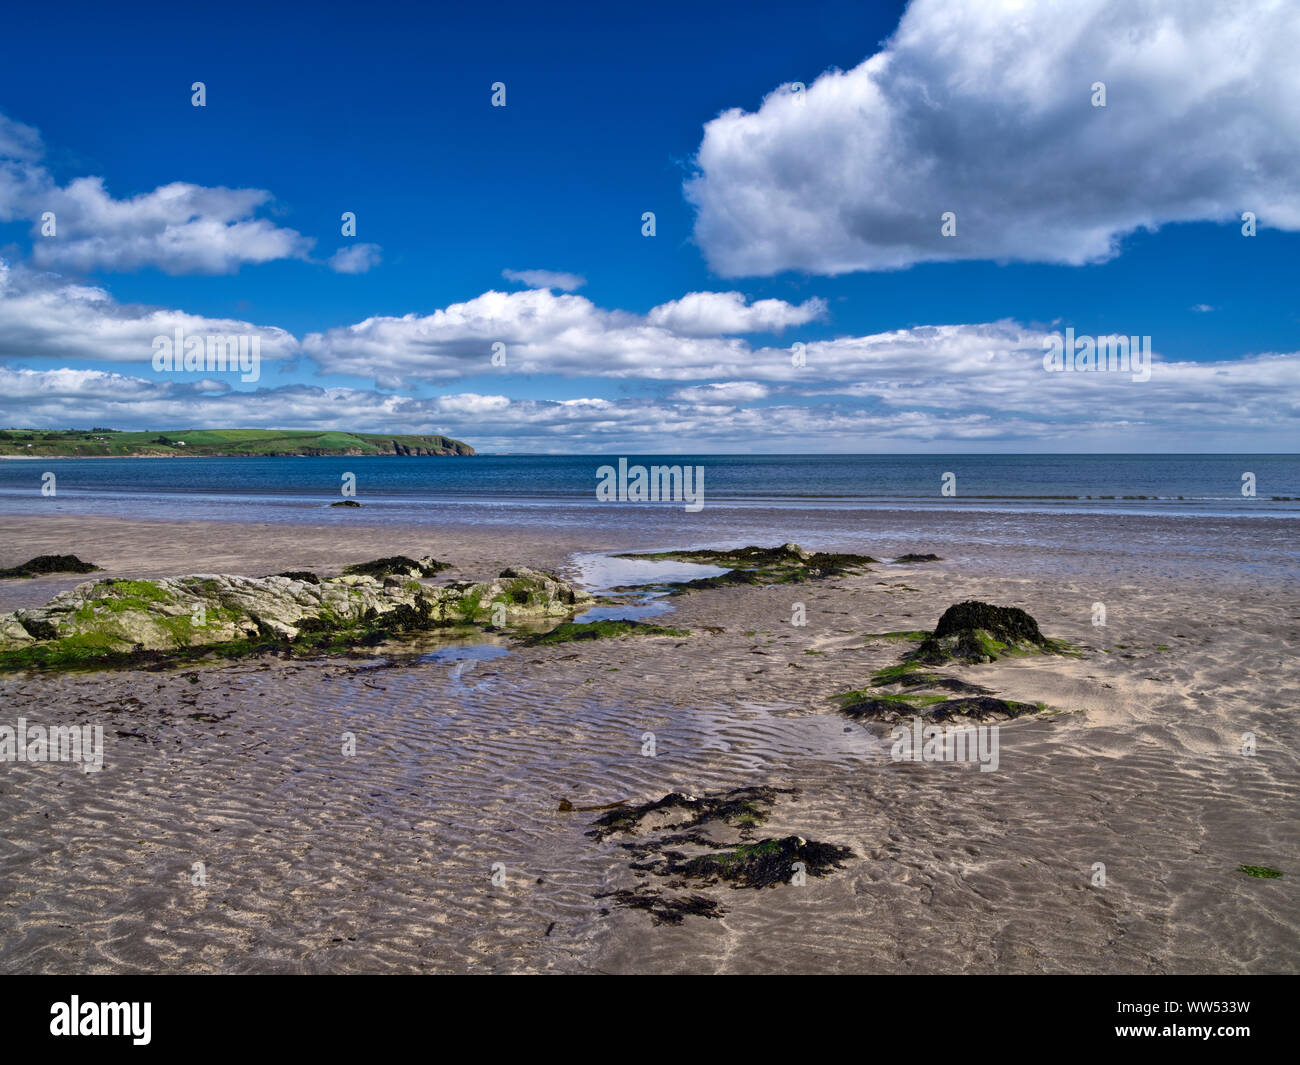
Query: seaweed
[395, 565]
[787, 564]
[979, 632]
[42, 564]
[890, 709]
[665, 910]
[741, 807]
[754, 865]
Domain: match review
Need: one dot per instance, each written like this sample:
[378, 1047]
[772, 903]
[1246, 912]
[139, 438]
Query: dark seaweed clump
[787, 564]
[933, 710]
[34, 567]
[300, 575]
[766, 863]
[659, 830]
[742, 808]
[917, 558]
[665, 909]
[968, 632]
[395, 565]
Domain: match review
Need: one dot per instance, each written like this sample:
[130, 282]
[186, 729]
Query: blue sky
[825, 199]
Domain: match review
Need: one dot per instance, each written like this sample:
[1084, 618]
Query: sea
[1245, 506]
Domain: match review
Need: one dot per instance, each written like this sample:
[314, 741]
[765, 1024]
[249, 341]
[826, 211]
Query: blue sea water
[423, 489]
[1176, 514]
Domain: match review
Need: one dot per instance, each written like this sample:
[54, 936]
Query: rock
[978, 632]
[968, 710]
[116, 615]
[346, 503]
[49, 564]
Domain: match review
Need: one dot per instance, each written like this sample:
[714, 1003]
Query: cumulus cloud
[542, 333]
[180, 228]
[43, 316]
[546, 279]
[355, 259]
[984, 108]
[977, 382]
[713, 313]
[564, 334]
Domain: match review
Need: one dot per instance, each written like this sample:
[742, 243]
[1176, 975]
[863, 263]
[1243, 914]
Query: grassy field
[74, 443]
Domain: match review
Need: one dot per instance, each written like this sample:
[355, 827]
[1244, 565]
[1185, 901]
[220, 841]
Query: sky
[869, 220]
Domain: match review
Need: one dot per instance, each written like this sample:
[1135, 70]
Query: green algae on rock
[979, 632]
[889, 709]
[971, 632]
[113, 622]
[569, 631]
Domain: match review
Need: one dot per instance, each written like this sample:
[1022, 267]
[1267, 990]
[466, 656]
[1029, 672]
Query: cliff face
[408, 449]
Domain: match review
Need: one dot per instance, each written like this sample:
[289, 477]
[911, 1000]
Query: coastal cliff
[223, 443]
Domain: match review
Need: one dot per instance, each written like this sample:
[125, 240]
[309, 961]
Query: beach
[1109, 838]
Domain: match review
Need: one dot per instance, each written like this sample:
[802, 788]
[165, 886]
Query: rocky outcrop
[978, 632]
[43, 564]
[203, 609]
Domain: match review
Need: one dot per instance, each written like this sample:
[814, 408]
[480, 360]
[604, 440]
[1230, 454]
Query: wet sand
[383, 861]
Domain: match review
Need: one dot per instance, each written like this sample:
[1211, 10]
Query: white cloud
[714, 313]
[907, 388]
[180, 228]
[546, 333]
[48, 317]
[723, 392]
[546, 279]
[355, 259]
[18, 141]
[983, 108]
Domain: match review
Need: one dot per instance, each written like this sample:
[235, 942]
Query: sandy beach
[440, 846]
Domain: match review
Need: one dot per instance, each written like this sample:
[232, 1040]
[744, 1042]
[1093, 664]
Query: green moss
[852, 698]
[469, 606]
[895, 674]
[599, 630]
[147, 590]
[914, 636]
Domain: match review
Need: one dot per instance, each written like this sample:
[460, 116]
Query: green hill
[89, 443]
